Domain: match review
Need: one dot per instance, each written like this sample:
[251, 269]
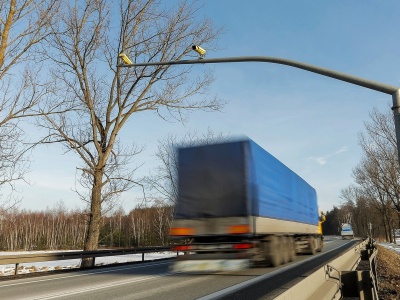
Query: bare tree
[23, 26]
[377, 175]
[379, 146]
[99, 98]
[361, 209]
[162, 220]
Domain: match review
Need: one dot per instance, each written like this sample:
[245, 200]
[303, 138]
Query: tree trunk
[93, 230]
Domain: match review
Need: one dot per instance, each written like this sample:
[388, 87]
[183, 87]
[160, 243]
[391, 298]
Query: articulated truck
[238, 206]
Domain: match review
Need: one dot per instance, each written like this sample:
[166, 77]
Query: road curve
[153, 280]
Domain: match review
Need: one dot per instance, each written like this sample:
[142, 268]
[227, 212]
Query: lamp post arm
[370, 84]
[377, 86]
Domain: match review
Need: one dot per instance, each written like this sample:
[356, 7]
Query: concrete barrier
[333, 280]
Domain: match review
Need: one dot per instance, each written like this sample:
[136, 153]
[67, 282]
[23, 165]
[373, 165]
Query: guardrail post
[93, 261]
[16, 269]
[142, 256]
[362, 283]
[357, 284]
[373, 273]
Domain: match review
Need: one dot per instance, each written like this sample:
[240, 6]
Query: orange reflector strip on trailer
[238, 229]
[181, 231]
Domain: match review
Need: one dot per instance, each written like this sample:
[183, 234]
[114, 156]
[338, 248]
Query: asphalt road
[153, 280]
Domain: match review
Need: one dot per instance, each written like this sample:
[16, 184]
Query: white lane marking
[97, 287]
[244, 284]
[85, 274]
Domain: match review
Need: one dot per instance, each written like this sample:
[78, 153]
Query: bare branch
[23, 26]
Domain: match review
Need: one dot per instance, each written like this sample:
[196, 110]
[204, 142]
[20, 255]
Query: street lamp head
[125, 58]
[199, 50]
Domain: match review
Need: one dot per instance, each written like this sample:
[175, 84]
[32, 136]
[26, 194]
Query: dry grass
[388, 269]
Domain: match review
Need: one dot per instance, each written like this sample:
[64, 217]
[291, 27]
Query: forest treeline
[147, 225]
[374, 197]
[65, 229]
[360, 215]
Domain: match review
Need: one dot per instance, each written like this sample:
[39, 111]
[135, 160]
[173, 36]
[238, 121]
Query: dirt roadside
[388, 270]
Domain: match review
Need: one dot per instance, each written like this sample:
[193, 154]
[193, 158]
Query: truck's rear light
[243, 246]
[182, 248]
[239, 229]
[181, 231]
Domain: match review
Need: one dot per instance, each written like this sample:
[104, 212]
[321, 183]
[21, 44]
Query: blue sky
[309, 122]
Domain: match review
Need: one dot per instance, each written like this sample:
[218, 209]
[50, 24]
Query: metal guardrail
[25, 258]
[332, 281]
[339, 278]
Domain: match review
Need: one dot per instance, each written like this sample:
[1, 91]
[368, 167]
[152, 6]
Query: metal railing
[329, 281]
[40, 257]
[340, 278]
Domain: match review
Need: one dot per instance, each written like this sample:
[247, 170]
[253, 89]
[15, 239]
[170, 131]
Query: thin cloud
[342, 149]
[322, 160]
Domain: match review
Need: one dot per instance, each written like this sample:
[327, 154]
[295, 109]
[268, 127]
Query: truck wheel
[311, 244]
[320, 244]
[284, 241]
[275, 251]
[292, 249]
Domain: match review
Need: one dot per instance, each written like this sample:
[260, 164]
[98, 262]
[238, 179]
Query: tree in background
[380, 149]
[164, 182]
[359, 208]
[61, 228]
[23, 26]
[332, 224]
[99, 99]
[53, 229]
[376, 196]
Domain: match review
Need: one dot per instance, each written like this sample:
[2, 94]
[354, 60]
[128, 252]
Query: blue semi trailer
[238, 206]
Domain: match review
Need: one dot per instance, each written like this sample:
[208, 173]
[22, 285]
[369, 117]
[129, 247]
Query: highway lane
[141, 281]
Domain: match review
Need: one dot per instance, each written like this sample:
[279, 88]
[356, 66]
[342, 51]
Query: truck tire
[311, 244]
[285, 249]
[274, 251]
[320, 244]
[292, 249]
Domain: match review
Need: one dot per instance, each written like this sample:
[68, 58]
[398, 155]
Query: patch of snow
[25, 268]
[392, 246]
